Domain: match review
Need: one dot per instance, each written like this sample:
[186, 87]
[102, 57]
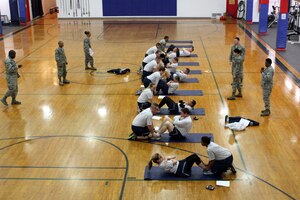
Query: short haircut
[176, 78]
[237, 38]
[166, 37]
[12, 54]
[187, 70]
[86, 32]
[193, 48]
[162, 69]
[185, 111]
[154, 105]
[205, 140]
[162, 56]
[158, 51]
[269, 61]
[176, 59]
[157, 44]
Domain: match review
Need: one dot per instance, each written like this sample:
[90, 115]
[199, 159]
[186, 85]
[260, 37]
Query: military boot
[240, 93]
[267, 112]
[3, 100]
[15, 102]
[232, 97]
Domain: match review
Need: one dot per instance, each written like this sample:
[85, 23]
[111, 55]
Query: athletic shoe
[132, 136]
[226, 119]
[208, 173]
[232, 169]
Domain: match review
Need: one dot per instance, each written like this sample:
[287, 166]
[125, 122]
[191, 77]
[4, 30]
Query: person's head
[151, 86]
[170, 48]
[61, 44]
[162, 56]
[175, 60]
[156, 158]
[154, 108]
[236, 51]
[186, 70]
[166, 38]
[192, 48]
[87, 33]
[158, 45]
[162, 70]
[205, 141]
[192, 103]
[185, 112]
[175, 49]
[157, 53]
[236, 40]
[268, 62]
[176, 79]
[12, 54]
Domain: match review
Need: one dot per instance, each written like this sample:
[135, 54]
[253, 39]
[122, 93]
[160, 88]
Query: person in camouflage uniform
[87, 46]
[237, 45]
[163, 43]
[61, 61]
[237, 74]
[12, 76]
[267, 85]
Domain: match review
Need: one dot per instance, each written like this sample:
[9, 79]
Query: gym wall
[4, 7]
[139, 8]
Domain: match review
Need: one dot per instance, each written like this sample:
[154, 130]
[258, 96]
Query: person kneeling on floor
[142, 125]
[220, 158]
[179, 127]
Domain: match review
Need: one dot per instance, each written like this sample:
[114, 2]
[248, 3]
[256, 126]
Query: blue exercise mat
[188, 64]
[191, 56]
[156, 173]
[196, 111]
[187, 93]
[181, 46]
[190, 80]
[189, 138]
[195, 72]
[180, 41]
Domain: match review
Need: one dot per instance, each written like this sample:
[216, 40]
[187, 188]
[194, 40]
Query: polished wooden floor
[71, 142]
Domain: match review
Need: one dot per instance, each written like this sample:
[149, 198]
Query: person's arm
[180, 123]
[171, 157]
[207, 166]
[267, 75]
[11, 67]
[57, 57]
[230, 55]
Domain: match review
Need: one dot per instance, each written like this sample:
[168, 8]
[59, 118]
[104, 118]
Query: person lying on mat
[186, 52]
[152, 50]
[151, 67]
[145, 99]
[179, 127]
[154, 77]
[142, 125]
[175, 108]
[239, 123]
[220, 158]
[170, 164]
[182, 74]
[172, 66]
[167, 87]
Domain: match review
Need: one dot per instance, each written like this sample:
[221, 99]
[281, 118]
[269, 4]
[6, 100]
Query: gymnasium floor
[71, 142]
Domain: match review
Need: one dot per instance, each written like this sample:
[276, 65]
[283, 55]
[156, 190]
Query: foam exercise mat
[195, 72]
[157, 173]
[196, 111]
[180, 41]
[190, 80]
[188, 64]
[189, 138]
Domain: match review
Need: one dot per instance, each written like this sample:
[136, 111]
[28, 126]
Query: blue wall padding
[263, 18]
[22, 11]
[139, 7]
[282, 31]
[249, 11]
